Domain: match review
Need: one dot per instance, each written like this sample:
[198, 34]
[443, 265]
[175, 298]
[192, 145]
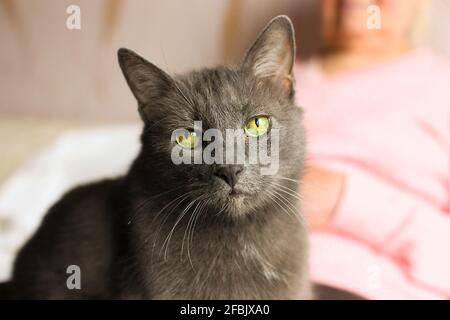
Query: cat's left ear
[272, 55]
[147, 82]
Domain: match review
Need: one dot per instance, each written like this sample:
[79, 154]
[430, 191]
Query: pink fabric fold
[387, 129]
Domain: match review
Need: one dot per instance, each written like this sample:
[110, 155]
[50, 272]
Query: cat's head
[255, 97]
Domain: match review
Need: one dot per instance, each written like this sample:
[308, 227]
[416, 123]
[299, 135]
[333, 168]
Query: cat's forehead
[223, 97]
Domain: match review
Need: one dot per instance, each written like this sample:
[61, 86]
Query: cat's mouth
[236, 194]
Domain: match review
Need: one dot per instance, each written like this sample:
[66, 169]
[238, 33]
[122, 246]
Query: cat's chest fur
[251, 259]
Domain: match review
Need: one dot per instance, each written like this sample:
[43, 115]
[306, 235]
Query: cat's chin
[238, 204]
[236, 200]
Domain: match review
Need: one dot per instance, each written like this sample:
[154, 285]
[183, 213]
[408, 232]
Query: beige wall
[46, 69]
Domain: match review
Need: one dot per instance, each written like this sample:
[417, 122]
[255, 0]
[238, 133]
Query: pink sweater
[387, 128]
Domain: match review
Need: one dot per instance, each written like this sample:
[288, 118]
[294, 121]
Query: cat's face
[255, 97]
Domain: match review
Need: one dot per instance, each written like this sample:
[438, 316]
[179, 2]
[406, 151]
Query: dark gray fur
[115, 230]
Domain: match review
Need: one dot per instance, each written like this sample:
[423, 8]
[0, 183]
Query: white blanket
[76, 157]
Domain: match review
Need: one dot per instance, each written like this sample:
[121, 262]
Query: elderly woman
[377, 190]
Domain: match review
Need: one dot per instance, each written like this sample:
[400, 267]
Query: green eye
[257, 126]
[188, 141]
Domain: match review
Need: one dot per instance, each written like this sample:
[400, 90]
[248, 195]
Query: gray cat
[189, 231]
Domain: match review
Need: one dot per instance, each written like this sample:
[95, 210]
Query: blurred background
[61, 90]
[52, 77]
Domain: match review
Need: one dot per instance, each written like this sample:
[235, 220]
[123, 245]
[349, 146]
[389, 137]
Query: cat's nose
[229, 173]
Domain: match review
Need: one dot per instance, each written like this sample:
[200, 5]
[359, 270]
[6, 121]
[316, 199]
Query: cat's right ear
[272, 55]
[146, 81]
